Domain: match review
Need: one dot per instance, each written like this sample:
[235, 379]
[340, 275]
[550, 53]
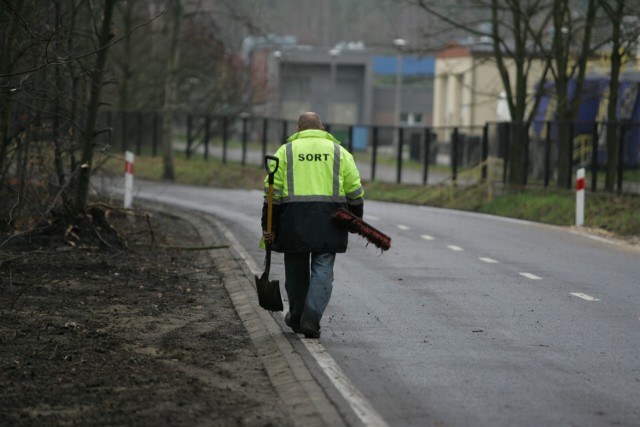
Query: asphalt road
[470, 320]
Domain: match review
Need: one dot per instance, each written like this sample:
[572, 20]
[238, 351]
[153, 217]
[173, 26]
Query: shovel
[269, 291]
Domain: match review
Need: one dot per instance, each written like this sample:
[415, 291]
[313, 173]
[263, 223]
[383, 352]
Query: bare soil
[108, 319]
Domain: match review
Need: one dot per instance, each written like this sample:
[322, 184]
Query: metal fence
[409, 155]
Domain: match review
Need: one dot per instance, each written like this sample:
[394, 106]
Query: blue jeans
[308, 285]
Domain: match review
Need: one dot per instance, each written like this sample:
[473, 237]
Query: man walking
[316, 176]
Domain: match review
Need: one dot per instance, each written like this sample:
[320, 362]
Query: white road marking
[372, 218]
[427, 237]
[584, 296]
[359, 403]
[350, 393]
[402, 227]
[531, 276]
[488, 260]
[455, 248]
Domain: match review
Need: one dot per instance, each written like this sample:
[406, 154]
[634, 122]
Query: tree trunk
[84, 176]
[565, 161]
[175, 15]
[57, 108]
[517, 95]
[614, 84]
[568, 105]
[124, 95]
[518, 154]
[6, 66]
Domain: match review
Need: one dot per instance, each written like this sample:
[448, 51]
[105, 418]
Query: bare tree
[97, 76]
[174, 9]
[511, 36]
[511, 32]
[10, 16]
[567, 56]
[624, 38]
[125, 59]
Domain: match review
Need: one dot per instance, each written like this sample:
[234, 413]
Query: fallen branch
[27, 286]
[190, 248]
[38, 252]
[109, 207]
[153, 237]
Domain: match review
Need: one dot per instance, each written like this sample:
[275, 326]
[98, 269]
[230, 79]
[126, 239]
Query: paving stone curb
[301, 396]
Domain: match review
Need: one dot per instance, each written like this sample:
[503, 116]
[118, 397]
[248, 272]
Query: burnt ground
[111, 320]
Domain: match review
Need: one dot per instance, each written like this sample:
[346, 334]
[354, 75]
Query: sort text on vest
[309, 157]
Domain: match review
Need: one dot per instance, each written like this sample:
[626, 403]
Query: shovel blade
[269, 293]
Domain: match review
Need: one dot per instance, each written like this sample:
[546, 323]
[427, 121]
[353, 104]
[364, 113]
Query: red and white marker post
[580, 197]
[128, 179]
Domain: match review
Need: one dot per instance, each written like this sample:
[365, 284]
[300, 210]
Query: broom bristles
[356, 225]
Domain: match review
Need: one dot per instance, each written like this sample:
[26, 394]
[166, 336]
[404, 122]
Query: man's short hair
[309, 120]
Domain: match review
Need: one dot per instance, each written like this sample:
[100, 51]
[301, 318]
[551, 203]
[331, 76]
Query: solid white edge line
[488, 260]
[531, 276]
[360, 405]
[584, 296]
[455, 248]
[349, 392]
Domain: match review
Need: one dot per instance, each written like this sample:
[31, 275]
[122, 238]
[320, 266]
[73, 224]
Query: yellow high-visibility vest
[314, 167]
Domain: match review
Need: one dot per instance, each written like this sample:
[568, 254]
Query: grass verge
[612, 214]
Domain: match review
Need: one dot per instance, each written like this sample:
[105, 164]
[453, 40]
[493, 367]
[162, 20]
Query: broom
[353, 224]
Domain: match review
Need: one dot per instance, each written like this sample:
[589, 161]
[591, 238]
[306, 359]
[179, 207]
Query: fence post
[570, 165]
[594, 157]
[623, 129]
[547, 155]
[525, 130]
[154, 148]
[244, 141]
[505, 163]
[399, 160]
[265, 130]
[189, 136]
[374, 155]
[454, 155]
[123, 133]
[284, 131]
[109, 125]
[485, 150]
[207, 125]
[225, 138]
[427, 153]
[139, 132]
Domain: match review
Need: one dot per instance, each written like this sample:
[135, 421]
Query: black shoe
[310, 333]
[310, 323]
[309, 330]
[294, 326]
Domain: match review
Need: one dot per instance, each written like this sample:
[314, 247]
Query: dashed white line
[427, 237]
[488, 260]
[372, 218]
[531, 276]
[584, 296]
[402, 227]
[455, 248]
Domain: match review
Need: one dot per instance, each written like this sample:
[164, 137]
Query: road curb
[301, 397]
